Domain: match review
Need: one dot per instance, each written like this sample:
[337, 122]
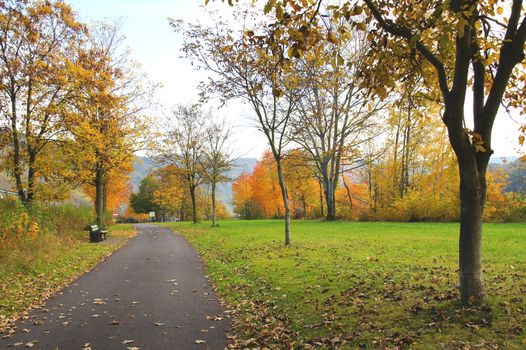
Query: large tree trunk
[214, 205]
[472, 170]
[322, 211]
[329, 191]
[472, 196]
[17, 168]
[285, 196]
[31, 178]
[194, 208]
[99, 197]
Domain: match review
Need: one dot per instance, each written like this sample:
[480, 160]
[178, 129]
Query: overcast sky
[155, 45]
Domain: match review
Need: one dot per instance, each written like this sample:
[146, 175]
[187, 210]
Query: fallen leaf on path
[132, 348]
[127, 341]
[115, 322]
[160, 323]
[199, 341]
[95, 315]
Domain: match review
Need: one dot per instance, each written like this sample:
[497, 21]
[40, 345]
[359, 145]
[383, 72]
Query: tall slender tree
[243, 69]
[182, 146]
[217, 159]
[107, 122]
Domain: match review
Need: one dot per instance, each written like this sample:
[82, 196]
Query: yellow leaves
[500, 10]
[476, 140]
[280, 13]
[277, 92]
[269, 6]
[521, 140]
[226, 48]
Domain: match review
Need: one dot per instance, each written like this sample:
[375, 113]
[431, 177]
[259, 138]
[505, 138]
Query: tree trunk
[30, 179]
[472, 171]
[348, 190]
[472, 198]
[214, 204]
[194, 209]
[17, 169]
[329, 199]
[322, 211]
[285, 196]
[99, 197]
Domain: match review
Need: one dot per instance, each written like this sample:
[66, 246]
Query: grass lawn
[371, 285]
[25, 284]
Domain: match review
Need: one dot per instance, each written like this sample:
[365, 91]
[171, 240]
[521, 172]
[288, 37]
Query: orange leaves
[258, 195]
[476, 140]
[17, 225]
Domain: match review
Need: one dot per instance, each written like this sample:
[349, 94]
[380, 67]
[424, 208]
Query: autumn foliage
[372, 192]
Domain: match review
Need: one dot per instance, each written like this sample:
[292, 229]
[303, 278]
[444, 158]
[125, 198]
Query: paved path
[152, 292]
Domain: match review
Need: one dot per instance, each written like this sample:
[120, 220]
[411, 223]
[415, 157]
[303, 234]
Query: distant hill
[144, 165]
[502, 160]
[515, 168]
[141, 168]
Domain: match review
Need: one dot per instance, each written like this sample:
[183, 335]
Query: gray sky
[156, 47]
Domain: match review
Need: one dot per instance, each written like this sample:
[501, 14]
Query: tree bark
[472, 171]
[472, 197]
[30, 179]
[99, 197]
[322, 210]
[214, 204]
[194, 209]
[17, 169]
[330, 200]
[285, 196]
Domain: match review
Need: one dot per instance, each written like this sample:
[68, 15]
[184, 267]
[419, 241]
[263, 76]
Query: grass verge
[25, 283]
[348, 285]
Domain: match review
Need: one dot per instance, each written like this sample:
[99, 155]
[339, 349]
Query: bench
[96, 234]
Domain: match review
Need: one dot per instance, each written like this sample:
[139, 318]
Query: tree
[243, 70]
[450, 41]
[182, 146]
[242, 196]
[144, 201]
[35, 86]
[217, 159]
[335, 109]
[107, 122]
[170, 194]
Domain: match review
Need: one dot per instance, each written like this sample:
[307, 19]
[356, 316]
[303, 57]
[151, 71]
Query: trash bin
[94, 236]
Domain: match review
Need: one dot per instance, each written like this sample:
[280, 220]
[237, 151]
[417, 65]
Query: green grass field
[355, 285]
[27, 281]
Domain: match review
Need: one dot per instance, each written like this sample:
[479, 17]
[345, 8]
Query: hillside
[515, 168]
[144, 165]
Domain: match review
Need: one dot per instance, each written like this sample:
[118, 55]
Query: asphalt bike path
[151, 294]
